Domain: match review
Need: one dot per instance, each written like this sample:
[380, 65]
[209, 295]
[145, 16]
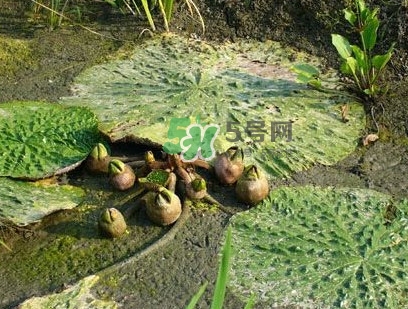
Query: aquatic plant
[229, 165]
[40, 139]
[98, 160]
[222, 279]
[166, 8]
[359, 61]
[26, 202]
[314, 247]
[252, 187]
[244, 87]
[112, 223]
[121, 175]
[163, 207]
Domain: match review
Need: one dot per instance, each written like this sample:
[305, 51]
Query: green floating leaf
[322, 248]
[39, 139]
[77, 296]
[245, 88]
[23, 202]
[158, 176]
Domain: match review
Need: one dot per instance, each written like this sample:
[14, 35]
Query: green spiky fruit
[253, 186]
[163, 207]
[121, 175]
[98, 160]
[112, 223]
[229, 165]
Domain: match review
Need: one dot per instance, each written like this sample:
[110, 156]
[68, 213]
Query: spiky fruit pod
[229, 165]
[112, 223]
[252, 187]
[163, 207]
[98, 160]
[121, 175]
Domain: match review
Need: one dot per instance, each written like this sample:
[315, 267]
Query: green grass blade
[148, 14]
[163, 12]
[197, 296]
[251, 302]
[168, 8]
[2, 243]
[222, 278]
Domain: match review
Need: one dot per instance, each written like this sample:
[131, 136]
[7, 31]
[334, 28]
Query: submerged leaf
[23, 202]
[245, 88]
[306, 69]
[39, 139]
[76, 296]
[322, 248]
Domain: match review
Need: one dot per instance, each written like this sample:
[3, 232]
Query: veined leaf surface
[77, 296]
[323, 248]
[246, 88]
[38, 139]
[23, 202]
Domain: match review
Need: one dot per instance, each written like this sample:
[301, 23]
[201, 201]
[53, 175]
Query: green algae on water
[14, 54]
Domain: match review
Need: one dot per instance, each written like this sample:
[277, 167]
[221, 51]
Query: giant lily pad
[39, 139]
[323, 248]
[23, 202]
[76, 296]
[245, 88]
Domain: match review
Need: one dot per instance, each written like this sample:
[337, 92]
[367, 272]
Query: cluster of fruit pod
[251, 184]
[159, 178]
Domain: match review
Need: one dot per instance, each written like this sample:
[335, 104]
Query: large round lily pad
[39, 139]
[240, 87]
[323, 248]
[23, 202]
[76, 296]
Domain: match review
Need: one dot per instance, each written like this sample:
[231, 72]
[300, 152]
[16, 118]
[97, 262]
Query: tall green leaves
[359, 61]
[222, 278]
[166, 8]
